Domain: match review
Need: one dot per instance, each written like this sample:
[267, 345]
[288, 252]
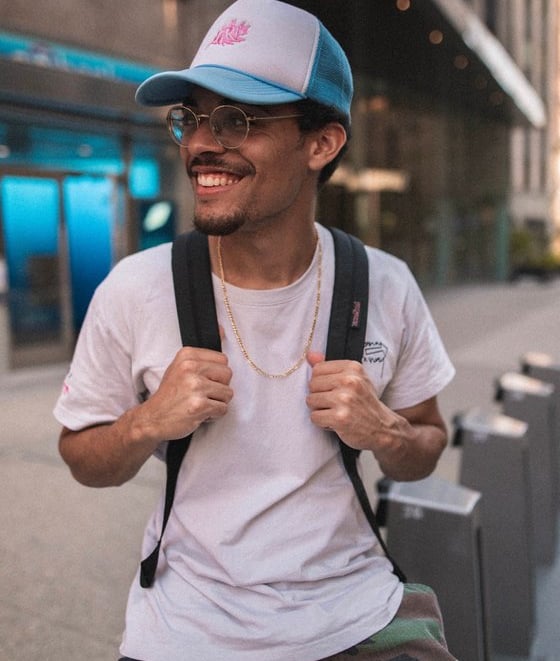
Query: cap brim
[170, 87]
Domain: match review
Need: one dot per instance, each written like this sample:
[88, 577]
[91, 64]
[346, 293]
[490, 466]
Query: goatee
[221, 226]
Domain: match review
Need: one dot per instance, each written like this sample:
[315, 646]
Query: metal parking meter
[543, 366]
[531, 400]
[495, 462]
[434, 532]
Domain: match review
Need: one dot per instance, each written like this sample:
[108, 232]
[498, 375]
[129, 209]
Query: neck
[263, 260]
[229, 311]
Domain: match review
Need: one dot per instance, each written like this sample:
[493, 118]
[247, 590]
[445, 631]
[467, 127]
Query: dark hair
[315, 116]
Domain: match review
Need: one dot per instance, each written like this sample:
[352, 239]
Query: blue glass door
[31, 222]
[90, 204]
[58, 233]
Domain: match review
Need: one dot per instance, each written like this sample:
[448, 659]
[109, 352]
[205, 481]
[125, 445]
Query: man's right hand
[194, 388]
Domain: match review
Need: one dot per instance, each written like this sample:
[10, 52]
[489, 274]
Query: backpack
[196, 311]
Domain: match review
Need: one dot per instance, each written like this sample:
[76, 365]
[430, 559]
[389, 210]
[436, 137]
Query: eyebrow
[190, 101]
[248, 107]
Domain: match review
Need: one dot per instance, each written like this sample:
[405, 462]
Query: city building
[453, 143]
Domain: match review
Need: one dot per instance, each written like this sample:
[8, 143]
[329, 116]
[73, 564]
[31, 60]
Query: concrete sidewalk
[68, 554]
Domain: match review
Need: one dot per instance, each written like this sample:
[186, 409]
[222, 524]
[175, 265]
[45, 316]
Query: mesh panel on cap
[331, 80]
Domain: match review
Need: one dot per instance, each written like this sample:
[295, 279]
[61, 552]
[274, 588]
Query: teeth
[210, 180]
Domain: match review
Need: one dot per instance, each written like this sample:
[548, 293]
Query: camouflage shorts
[414, 634]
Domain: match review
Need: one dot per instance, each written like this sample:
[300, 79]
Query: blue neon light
[49, 54]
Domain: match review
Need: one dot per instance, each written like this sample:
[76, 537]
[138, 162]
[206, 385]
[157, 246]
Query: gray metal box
[542, 366]
[495, 461]
[434, 533]
[532, 401]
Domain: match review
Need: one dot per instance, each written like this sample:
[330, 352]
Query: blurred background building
[454, 162]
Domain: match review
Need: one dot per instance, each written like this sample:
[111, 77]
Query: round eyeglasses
[229, 124]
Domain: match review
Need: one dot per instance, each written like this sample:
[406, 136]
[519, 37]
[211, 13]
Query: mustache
[218, 163]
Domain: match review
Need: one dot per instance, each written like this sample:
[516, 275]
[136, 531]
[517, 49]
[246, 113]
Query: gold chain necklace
[235, 329]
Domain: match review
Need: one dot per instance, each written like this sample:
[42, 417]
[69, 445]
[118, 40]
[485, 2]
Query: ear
[325, 145]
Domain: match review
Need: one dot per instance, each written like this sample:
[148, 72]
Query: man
[267, 555]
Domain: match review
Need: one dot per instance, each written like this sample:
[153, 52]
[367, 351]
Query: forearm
[409, 451]
[110, 454]
[407, 443]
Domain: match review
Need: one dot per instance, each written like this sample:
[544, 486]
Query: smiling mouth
[215, 179]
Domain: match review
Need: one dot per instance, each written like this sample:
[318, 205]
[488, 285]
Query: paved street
[67, 553]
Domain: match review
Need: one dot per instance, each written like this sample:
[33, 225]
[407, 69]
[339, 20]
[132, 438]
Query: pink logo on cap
[232, 33]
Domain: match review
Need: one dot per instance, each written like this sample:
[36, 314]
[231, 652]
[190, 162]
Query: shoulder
[138, 285]
[140, 273]
[385, 264]
[391, 280]
[381, 263]
[143, 266]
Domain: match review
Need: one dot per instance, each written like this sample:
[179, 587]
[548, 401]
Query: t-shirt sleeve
[99, 386]
[423, 367]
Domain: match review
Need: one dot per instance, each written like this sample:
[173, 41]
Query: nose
[203, 140]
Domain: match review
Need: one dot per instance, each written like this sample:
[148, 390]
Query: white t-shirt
[267, 555]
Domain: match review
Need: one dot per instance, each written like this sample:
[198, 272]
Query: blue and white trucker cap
[261, 52]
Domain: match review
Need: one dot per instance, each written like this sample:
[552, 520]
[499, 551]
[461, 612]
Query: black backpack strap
[176, 450]
[194, 297]
[349, 308]
[347, 328]
[194, 294]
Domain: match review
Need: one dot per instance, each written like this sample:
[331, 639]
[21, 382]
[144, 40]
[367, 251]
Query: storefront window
[71, 204]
